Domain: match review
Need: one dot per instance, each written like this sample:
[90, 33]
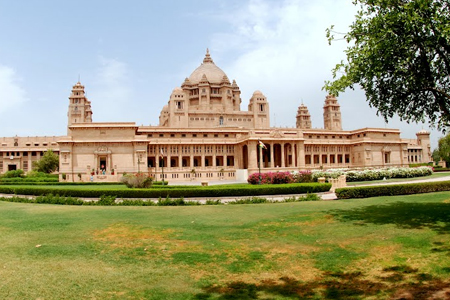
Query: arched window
[221, 120]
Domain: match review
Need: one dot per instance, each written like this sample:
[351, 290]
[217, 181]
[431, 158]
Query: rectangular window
[387, 157]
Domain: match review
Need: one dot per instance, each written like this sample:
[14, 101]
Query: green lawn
[375, 248]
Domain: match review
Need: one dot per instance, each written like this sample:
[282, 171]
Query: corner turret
[79, 106]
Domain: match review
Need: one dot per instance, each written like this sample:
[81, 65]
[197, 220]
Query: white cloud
[280, 48]
[111, 92]
[12, 95]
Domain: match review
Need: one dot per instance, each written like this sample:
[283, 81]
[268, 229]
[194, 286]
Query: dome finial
[207, 58]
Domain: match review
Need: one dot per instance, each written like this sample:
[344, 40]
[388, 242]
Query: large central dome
[212, 72]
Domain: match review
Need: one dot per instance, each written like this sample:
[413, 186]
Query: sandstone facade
[204, 135]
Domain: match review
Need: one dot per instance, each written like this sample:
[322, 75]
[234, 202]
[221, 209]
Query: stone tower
[303, 117]
[423, 139]
[260, 107]
[332, 114]
[79, 106]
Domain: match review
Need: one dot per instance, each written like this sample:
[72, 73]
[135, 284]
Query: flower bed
[280, 177]
[373, 174]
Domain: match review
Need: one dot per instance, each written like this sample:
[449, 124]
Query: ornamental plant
[138, 180]
[271, 178]
[373, 174]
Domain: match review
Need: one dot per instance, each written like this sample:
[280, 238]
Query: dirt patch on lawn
[125, 236]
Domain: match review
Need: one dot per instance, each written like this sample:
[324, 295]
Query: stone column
[301, 155]
[180, 157]
[294, 155]
[271, 155]
[30, 163]
[283, 163]
[202, 150]
[252, 155]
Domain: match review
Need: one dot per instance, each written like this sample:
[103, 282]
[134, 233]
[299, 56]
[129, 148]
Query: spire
[303, 117]
[207, 58]
[225, 80]
[204, 80]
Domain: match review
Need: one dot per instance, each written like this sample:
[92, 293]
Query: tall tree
[444, 149]
[399, 53]
[48, 163]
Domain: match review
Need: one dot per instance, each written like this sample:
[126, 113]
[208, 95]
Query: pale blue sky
[132, 54]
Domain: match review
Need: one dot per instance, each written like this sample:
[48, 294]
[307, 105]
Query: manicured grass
[375, 248]
[399, 180]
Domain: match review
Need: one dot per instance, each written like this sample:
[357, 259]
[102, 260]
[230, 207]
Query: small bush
[253, 200]
[36, 174]
[14, 174]
[138, 180]
[56, 199]
[106, 200]
[213, 202]
[302, 177]
[271, 178]
[171, 202]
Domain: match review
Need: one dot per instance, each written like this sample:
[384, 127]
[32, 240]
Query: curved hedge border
[174, 192]
[392, 190]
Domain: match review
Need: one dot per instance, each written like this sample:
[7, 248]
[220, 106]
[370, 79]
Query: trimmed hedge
[57, 183]
[441, 169]
[392, 190]
[111, 201]
[174, 192]
[28, 179]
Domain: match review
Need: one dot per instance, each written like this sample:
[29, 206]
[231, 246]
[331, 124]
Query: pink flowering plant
[280, 177]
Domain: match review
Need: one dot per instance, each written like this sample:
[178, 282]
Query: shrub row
[56, 183]
[176, 192]
[374, 174]
[392, 190]
[429, 164]
[28, 179]
[111, 201]
[441, 169]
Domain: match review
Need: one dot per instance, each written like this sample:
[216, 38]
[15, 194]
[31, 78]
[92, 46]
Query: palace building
[203, 134]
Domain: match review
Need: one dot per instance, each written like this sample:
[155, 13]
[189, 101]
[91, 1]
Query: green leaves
[49, 163]
[399, 54]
